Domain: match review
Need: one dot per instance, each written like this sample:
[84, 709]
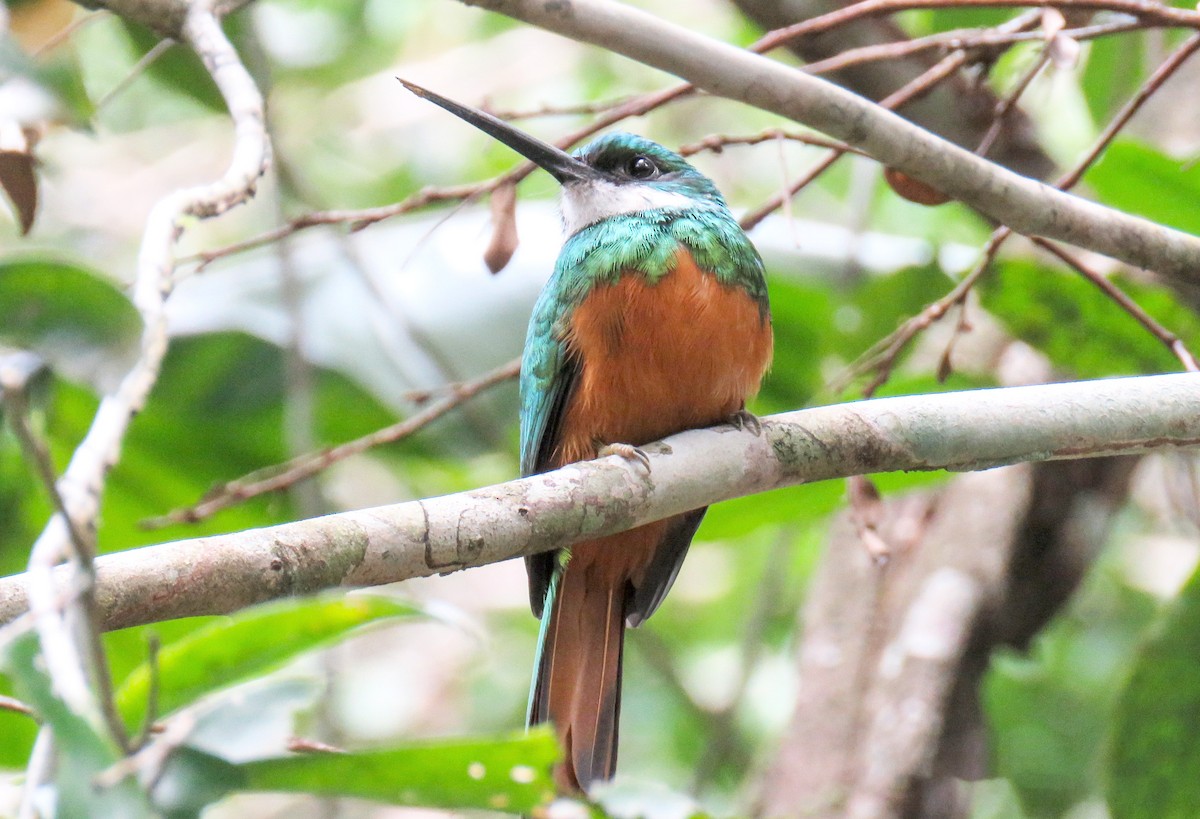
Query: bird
[655, 320]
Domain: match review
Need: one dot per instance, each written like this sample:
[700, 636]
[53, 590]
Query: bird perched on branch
[654, 321]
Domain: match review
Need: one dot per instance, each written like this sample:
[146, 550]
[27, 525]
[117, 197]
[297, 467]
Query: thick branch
[960, 431]
[960, 110]
[63, 629]
[1027, 206]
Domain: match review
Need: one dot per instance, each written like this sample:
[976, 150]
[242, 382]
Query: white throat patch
[585, 203]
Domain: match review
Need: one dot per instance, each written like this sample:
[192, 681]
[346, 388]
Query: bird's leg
[743, 420]
[627, 451]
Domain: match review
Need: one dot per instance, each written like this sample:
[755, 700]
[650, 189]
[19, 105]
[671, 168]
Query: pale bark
[1027, 206]
[959, 431]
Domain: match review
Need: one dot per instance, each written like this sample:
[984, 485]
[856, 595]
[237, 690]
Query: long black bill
[560, 164]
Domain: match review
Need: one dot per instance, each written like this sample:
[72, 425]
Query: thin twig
[14, 400]
[304, 745]
[150, 762]
[1172, 341]
[1154, 82]
[719, 142]
[960, 40]
[356, 218]
[1146, 11]
[65, 634]
[13, 383]
[961, 327]
[882, 356]
[140, 67]
[1005, 105]
[148, 723]
[62, 35]
[305, 466]
[547, 110]
[917, 87]
[15, 705]
[751, 219]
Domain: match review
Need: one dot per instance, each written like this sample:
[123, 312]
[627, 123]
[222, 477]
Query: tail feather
[577, 684]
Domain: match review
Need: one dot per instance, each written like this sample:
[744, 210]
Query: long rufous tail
[577, 682]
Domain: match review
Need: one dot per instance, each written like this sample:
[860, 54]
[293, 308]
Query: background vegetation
[1088, 673]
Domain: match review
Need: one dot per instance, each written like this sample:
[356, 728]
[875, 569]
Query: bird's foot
[627, 451]
[743, 420]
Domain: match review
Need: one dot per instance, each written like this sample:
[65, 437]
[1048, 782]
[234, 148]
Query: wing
[548, 376]
[664, 566]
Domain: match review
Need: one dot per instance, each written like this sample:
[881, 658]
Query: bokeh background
[331, 333]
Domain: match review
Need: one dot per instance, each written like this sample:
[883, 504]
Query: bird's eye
[641, 167]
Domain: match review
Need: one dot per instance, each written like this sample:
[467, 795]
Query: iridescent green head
[633, 174]
[614, 175]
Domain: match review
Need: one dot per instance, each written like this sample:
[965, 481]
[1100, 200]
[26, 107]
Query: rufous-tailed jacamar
[654, 321]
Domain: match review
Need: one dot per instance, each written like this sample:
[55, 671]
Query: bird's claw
[627, 451]
[743, 420]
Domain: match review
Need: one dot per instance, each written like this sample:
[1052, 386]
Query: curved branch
[1027, 206]
[960, 431]
[82, 484]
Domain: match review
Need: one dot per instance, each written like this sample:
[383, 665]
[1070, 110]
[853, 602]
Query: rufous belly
[659, 358]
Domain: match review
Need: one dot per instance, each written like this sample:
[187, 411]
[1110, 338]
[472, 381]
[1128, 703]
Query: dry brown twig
[920, 85]
[305, 745]
[67, 630]
[304, 466]
[716, 143]
[1149, 12]
[882, 357]
[1009, 102]
[960, 40]
[613, 113]
[548, 110]
[1015, 30]
[1145, 12]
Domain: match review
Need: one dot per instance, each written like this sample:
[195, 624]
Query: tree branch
[1027, 206]
[62, 598]
[959, 431]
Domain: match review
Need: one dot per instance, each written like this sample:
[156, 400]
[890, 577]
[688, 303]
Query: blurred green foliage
[1101, 707]
[1139, 179]
[1154, 761]
[510, 772]
[1082, 331]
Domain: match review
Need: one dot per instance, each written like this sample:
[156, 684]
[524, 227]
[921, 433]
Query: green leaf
[995, 799]
[246, 645]
[1138, 179]
[802, 316]
[1154, 763]
[510, 773]
[1113, 71]
[1050, 708]
[191, 780]
[83, 753]
[49, 301]
[1080, 329]
[177, 68]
